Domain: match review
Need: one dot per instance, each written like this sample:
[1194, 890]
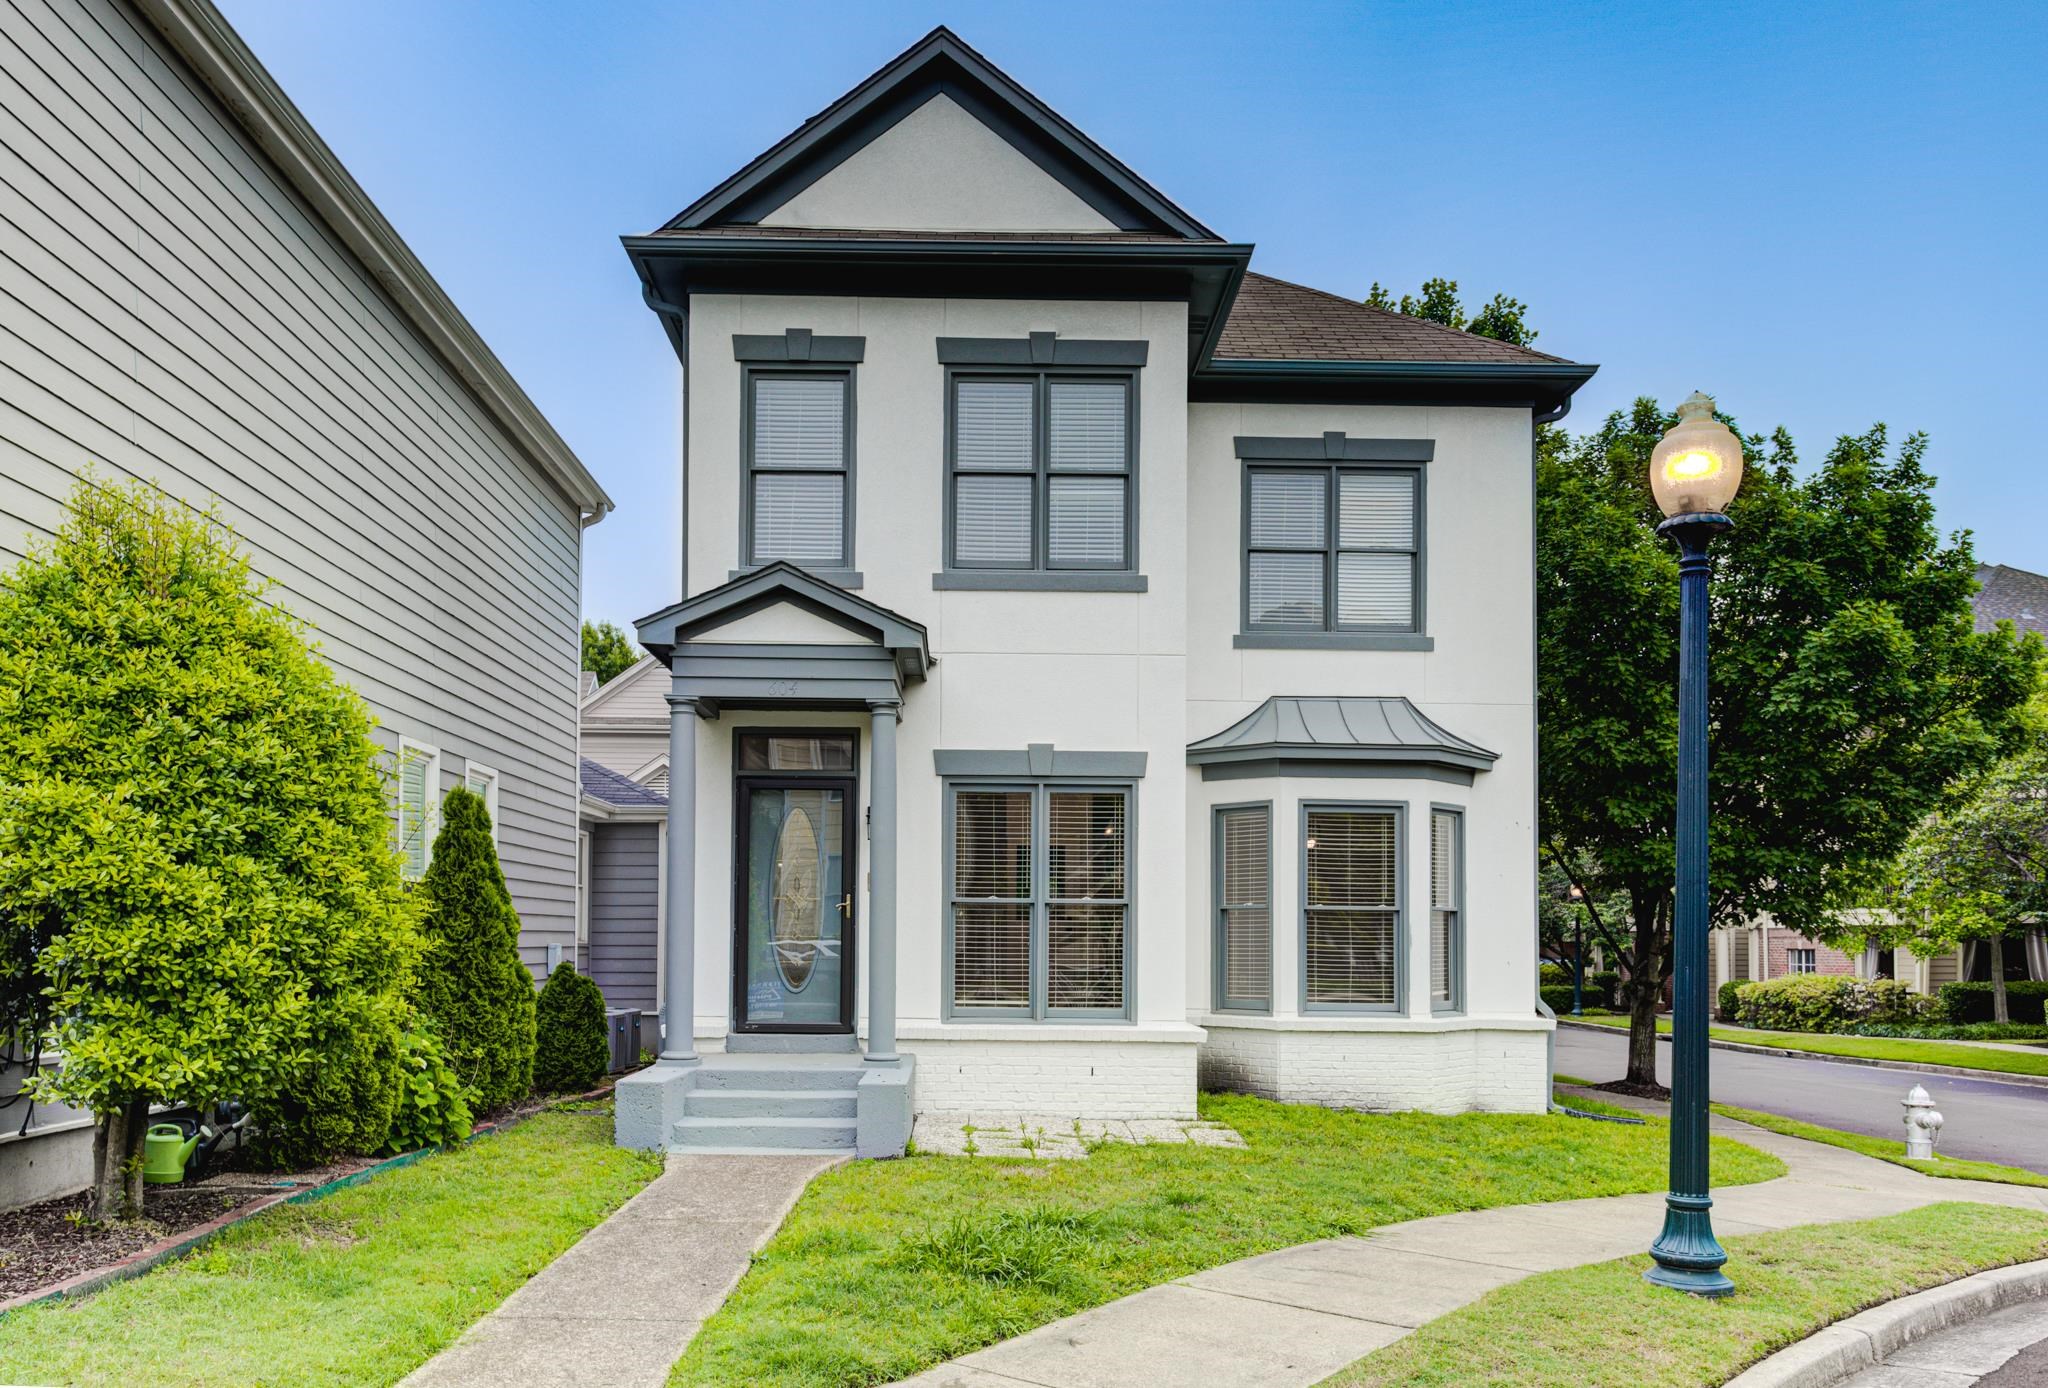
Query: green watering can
[165, 1150]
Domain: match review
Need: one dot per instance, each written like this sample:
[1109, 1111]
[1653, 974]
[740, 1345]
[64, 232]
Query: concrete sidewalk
[618, 1308]
[1288, 1319]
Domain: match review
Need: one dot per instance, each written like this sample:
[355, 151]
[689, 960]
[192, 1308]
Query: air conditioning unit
[623, 1025]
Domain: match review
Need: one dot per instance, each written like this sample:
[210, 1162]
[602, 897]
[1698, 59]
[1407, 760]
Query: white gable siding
[171, 310]
[939, 169]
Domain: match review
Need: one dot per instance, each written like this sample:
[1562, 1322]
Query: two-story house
[1103, 670]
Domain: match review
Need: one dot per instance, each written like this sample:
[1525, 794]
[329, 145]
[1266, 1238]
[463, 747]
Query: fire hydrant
[1923, 1124]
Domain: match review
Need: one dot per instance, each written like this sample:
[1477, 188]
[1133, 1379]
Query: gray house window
[798, 499]
[1038, 900]
[1446, 910]
[1333, 548]
[1351, 908]
[1243, 855]
[1040, 474]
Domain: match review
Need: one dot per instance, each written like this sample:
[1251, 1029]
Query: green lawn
[1865, 1047]
[1602, 1326]
[1884, 1149]
[357, 1288]
[885, 1268]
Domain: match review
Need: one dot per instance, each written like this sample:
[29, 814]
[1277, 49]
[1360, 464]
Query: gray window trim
[1331, 636]
[1399, 1006]
[1038, 760]
[1334, 446]
[1041, 350]
[1039, 786]
[1219, 997]
[1037, 576]
[799, 345]
[1457, 1002]
[749, 374]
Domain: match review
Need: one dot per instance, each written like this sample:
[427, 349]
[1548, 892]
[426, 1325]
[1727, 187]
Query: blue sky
[1824, 214]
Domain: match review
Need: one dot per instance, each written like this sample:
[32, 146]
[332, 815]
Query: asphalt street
[1986, 1120]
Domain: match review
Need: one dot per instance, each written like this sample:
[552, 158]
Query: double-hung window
[1041, 471]
[419, 804]
[1038, 883]
[482, 782]
[1243, 849]
[798, 503]
[1446, 910]
[1333, 548]
[1351, 907]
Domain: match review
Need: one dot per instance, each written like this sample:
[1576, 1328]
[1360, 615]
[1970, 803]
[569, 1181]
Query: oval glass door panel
[798, 906]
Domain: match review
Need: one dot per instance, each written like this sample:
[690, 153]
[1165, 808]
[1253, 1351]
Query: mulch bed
[1637, 1091]
[41, 1244]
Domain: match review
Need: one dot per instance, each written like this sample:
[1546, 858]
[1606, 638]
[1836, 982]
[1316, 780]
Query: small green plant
[433, 1104]
[570, 1049]
[1033, 1246]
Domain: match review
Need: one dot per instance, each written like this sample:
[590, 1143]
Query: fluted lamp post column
[1694, 473]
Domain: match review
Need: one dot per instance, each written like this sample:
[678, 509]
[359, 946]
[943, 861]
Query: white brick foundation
[1092, 1078]
[1497, 1069]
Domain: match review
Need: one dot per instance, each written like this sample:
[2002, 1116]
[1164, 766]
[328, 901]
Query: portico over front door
[794, 810]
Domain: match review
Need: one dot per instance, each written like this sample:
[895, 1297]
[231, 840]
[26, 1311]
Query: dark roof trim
[799, 345]
[941, 62]
[1542, 386]
[1037, 759]
[660, 632]
[1040, 349]
[1336, 447]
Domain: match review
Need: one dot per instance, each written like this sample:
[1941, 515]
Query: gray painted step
[780, 1076]
[770, 1103]
[703, 1134]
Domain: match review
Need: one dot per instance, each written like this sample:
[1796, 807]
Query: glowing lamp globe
[1697, 465]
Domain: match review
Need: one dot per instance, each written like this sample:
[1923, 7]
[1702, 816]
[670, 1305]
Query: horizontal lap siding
[625, 906]
[170, 310]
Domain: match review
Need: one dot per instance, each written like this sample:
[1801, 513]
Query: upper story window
[799, 457]
[1334, 542]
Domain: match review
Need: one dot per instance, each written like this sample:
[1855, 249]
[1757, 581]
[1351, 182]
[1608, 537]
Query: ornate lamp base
[1689, 1258]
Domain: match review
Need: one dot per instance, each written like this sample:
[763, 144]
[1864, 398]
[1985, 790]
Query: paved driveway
[1987, 1120]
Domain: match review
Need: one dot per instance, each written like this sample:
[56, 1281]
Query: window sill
[838, 578]
[1329, 641]
[1037, 581]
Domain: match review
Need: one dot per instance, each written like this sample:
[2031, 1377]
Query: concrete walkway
[618, 1308]
[1288, 1319]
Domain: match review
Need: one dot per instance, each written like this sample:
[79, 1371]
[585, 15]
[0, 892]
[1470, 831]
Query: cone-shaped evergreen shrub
[472, 985]
[571, 1050]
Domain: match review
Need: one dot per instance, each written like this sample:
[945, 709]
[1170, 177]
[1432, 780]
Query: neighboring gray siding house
[2006, 594]
[194, 292]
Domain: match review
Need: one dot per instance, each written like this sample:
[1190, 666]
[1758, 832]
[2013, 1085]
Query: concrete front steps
[770, 1103]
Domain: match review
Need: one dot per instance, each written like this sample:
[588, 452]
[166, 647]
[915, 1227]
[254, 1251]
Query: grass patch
[1602, 1326]
[359, 1287]
[1884, 1149]
[886, 1268]
[1903, 1052]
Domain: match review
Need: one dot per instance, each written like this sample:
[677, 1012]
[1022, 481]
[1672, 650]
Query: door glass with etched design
[799, 904]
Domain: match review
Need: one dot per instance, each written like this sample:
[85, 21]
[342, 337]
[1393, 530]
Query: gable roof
[782, 581]
[941, 62]
[1274, 320]
[2010, 595]
[1291, 735]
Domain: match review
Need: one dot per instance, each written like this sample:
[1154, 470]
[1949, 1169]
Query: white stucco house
[1103, 671]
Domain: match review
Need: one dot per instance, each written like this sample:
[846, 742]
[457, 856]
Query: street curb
[1864, 1340]
[1905, 1066]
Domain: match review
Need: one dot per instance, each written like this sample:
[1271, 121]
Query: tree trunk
[117, 1162]
[1996, 944]
[1645, 988]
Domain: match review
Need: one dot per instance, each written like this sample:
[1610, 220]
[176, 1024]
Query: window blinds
[799, 470]
[1059, 499]
[992, 899]
[1331, 549]
[1445, 872]
[1245, 906]
[1351, 911]
[415, 808]
[1085, 860]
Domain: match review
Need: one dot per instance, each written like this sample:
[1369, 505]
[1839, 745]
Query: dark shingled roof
[1273, 320]
[2011, 595]
[603, 783]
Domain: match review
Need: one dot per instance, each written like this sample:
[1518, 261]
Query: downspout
[679, 333]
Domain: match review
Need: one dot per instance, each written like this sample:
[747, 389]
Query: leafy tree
[197, 880]
[606, 651]
[472, 985]
[572, 1051]
[1978, 869]
[1502, 318]
[1848, 690]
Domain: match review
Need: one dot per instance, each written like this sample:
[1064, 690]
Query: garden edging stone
[1909, 1066]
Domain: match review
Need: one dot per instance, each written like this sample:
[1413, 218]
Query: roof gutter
[209, 44]
[1546, 387]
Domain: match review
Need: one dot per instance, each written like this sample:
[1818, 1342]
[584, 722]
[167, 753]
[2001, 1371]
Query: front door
[793, 932]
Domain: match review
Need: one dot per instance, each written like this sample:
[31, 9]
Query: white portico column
[679, 945]
[881, 881]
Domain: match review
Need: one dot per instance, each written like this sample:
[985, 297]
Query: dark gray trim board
[798, 345]
[1039, 581]
[1295, 768]
[1334, 446]
[1040, 349]
[1038, 761]
[1276, 639]
[1545, 387]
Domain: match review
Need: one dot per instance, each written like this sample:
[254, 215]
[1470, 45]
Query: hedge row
[1963, 1003]
[1823, 1002]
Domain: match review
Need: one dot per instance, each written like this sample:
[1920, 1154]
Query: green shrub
[473, 987]
[1948, 1031]
[1033, 1246]
[1726, 1003]
[1602, 984]
[433, 1104]
[571, 1050]
[343, 1103]
[1823, 1002]
[1963, 1003]
[1557, 997]
[1554, 974]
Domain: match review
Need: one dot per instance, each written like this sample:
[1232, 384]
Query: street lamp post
[1578, 954]
[1694, 473]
